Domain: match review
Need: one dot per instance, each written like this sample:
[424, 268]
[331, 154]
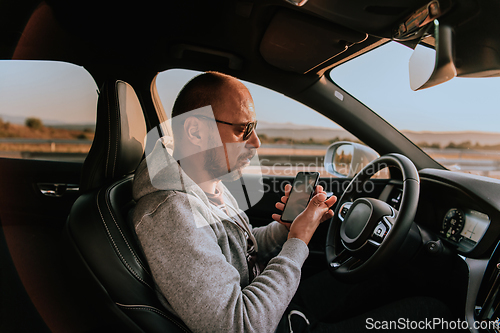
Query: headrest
[118, 145]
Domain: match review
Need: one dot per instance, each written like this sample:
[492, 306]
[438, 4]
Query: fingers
[331, 201]
[277, 218]
[322, 205]
[319, 189]
[284, 199]
[318, 199]
[328, 215]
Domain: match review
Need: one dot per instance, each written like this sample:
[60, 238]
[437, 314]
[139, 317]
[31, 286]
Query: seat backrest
[101, 245]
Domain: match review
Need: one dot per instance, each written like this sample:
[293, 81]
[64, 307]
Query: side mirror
[345, 159]
[430, 67]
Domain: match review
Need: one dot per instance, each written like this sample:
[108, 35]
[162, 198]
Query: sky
[461, 104]
[56, 91]
[270, 106]
[67, 93]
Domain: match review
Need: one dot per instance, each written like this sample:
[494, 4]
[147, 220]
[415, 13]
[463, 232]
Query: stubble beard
[217, 163]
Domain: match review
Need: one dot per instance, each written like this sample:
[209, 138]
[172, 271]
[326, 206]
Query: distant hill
[444, 138]
[12, 130]
[288, 125]
[75, 127]
[20, 120]
[304, 132]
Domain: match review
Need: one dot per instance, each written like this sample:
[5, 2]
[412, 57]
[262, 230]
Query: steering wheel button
[334, 265]
[379, 232]
[344, 209]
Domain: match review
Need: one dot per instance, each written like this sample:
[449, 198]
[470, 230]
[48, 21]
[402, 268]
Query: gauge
[453, 224]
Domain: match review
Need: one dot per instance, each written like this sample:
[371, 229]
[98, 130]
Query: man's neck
[199, 176]
[209, 187]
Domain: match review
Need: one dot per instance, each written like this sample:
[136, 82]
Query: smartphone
[302, 191]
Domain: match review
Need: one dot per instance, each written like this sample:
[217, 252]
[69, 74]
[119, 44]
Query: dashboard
[464, 228]
[461, 209]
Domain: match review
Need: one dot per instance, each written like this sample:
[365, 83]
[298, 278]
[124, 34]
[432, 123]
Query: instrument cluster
[464, 227]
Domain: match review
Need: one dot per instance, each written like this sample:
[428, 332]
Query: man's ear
[193, 131]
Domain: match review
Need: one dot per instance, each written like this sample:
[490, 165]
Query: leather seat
[110, 270]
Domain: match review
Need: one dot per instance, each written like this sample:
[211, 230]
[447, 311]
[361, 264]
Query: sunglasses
[249, 127]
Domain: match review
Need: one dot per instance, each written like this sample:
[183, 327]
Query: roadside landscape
[269, 133]
[272, 133]
[34, 136]
[285, 144]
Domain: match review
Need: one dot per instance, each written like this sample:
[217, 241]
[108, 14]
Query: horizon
[53, 122]
[76, 93]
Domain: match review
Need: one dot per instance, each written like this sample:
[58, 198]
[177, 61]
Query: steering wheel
[365, 233]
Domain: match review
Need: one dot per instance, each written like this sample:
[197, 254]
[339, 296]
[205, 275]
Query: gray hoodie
[197, 253]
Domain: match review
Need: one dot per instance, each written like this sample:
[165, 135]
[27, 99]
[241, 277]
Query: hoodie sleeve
[270, 240]
[196, 277]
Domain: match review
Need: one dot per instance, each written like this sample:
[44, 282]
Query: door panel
[32, 223]
[21, 199]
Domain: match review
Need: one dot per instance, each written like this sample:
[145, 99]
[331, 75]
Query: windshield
[456, 123]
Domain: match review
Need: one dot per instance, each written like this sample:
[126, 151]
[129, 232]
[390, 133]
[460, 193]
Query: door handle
[57, 189]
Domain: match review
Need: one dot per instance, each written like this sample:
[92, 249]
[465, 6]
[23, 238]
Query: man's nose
[253, 141]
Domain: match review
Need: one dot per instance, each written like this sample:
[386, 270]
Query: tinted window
[47, 110]
[294, 137]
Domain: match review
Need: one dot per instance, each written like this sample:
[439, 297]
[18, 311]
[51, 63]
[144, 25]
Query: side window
[294, 137]
[47, 110]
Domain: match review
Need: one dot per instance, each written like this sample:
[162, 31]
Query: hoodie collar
[159, 171]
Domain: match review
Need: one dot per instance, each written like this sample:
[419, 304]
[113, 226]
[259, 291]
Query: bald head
[217, 149]
[210, 88]
[225, 94]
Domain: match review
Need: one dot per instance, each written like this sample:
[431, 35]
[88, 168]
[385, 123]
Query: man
[209, 264]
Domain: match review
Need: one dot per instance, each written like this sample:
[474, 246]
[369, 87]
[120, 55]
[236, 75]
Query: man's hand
[317, 211]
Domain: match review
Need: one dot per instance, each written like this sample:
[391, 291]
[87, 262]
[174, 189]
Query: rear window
[47, 110]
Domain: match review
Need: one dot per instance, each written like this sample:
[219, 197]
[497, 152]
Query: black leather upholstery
[102, 247]
[118, 145]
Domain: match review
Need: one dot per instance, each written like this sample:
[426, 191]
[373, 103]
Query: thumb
[317, 200]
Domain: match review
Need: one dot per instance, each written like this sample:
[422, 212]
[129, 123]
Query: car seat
[101, 247]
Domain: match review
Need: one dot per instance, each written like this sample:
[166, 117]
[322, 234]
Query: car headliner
[146, 36]
[271, 43]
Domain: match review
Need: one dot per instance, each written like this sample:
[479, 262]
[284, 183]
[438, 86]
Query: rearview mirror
[345, 159]
[430, 67]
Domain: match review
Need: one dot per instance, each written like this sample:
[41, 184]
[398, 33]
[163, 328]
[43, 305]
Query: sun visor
[299, 43]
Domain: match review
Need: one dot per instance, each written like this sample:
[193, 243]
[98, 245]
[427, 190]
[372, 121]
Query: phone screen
[302, 189]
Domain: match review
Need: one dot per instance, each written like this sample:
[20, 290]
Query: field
[22, 141]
